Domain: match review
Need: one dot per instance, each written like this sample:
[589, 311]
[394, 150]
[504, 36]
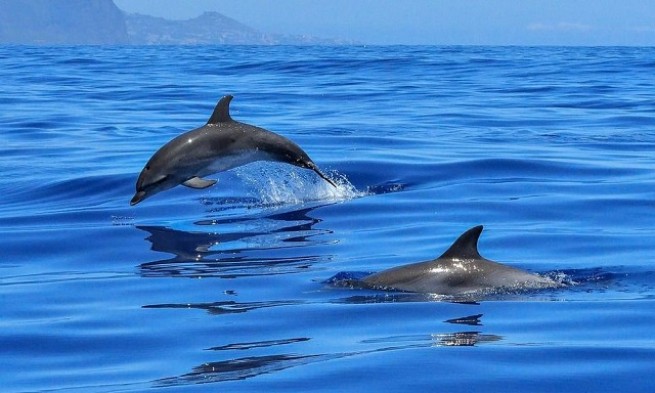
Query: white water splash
[281, 185]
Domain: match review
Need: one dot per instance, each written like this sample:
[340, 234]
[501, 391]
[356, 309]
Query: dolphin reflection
[229, 247]
[244, 367]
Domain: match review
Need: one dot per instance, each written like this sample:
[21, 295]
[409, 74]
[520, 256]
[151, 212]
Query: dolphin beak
[324, 177]
[138, 197]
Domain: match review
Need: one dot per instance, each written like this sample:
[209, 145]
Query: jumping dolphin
[219, 145]
[460, 270]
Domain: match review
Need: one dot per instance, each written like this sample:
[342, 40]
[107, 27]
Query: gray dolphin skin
[460, 270]
[219, 145]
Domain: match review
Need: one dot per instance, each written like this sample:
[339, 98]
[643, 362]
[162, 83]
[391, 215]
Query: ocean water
[227, 288]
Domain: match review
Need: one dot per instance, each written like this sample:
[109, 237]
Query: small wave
[350, 280]
[573, 277]
[387, 187]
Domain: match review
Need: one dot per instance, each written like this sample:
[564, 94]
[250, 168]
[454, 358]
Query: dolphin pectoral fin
[199, 183]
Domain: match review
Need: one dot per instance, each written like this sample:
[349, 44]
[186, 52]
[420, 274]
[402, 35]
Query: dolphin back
[458, 271]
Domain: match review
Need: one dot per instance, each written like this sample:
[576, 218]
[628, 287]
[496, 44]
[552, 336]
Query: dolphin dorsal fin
[466, 246]
[222, 111]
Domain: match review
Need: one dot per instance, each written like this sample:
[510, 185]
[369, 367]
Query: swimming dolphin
[219, 145]
[460, 270]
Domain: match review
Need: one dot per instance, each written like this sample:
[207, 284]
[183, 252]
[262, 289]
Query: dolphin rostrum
[219, 145]
[460, 270]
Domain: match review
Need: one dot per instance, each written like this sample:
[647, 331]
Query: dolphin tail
[327, 179]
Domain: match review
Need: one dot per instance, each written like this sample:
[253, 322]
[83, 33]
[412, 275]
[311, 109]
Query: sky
[432, 22]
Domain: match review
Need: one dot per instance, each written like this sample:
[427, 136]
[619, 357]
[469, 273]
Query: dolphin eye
[147, 167]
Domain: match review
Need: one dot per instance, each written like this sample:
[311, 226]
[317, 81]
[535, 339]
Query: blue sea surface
[228, 288]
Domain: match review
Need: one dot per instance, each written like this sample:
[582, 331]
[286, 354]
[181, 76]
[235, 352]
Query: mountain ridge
[99, 22]
[210, 27]
[61, 22]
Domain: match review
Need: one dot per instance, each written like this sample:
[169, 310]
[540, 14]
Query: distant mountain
[61, 22]
[72, 22]
[208, 28]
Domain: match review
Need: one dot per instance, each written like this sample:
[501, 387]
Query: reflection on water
[243, 367]
[457, 339]
[472, 320]
[258, 344]
[263, 245]
[229, 247]
[464, 339]
[226, 307]
[267, 243]
[237, 369]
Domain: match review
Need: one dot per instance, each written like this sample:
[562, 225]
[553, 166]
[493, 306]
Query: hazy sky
[477, 22]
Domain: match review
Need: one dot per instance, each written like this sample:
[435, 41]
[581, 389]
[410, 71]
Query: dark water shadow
[233, 307]
[245, 367]
[258, 344]
[471, 320]
[225, 307]
[231, 247]
[239, 369]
